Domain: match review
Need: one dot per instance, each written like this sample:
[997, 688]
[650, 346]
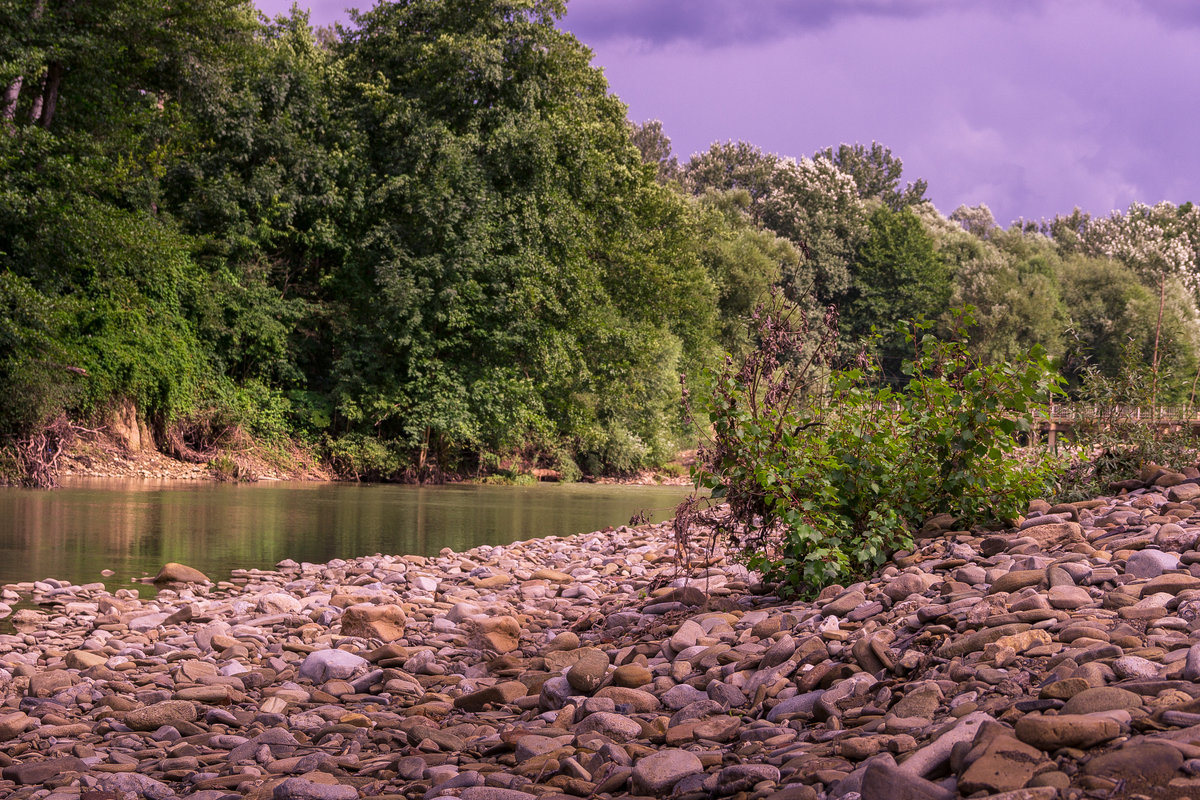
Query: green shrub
[1113, 438]
[826, 472]
[365, 458]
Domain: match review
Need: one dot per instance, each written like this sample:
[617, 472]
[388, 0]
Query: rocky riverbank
[1057, 660]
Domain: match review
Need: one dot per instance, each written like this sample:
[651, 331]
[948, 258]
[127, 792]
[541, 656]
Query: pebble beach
[1057, 659]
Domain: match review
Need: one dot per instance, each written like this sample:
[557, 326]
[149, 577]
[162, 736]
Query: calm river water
[133, 527]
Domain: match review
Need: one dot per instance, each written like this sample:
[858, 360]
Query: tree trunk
[8, 105]
[1162, 299]
[35, 110]
[54, 73]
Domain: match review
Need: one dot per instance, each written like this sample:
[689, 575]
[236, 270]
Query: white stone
[324, 665]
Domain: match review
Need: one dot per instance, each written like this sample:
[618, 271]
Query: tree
[733, 165]
[1112, 311]
[1160, 244]
[1011, 280]
[655, 147]
[743, 261]
[812, 204]
[898, 275]
[876, 172]
[975, 220]
[521, 278]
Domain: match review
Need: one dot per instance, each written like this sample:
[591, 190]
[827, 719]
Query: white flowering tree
[818, 207]
[813, 204]
[1160, 244]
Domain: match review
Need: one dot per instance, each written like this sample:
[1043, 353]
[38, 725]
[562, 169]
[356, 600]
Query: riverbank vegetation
[432, 243]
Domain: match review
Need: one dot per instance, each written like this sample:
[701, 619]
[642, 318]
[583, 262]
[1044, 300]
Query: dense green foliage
[432, 242]
[826, 474]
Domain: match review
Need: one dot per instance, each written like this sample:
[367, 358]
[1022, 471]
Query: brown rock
[1017, 579]
[631, 676]
[172, 572]
[638, 701]
[586, 674]
[500, 694]
[32, 772]
[45, 684]
[1184, 492]
[385, 623]
[1057, 535]
[1154, 763]
[14, 724]
[82, 659]
[501, 634]
[153, 717]
[1102, 698]
[1006, 764]
[1066, 730]
[972, 642]
[1064, 689]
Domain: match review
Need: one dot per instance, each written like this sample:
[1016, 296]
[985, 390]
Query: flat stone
[1066, 730]
[1184, 492]
[278, 603]
[1135, 667]
[1063, 689]
[303, 789]
[903, 586]
[686, 635]
[14, 724]
[1155, 763]
[1016, 580]
[500, 694]
[617, 727]
[1006, 764]
[657, 773]
[973, 642]
[46, 684]
[133, 784]
[84, 659]
[34, 772]
[1055, 535]
[324, 665]
[1171, 583]
[631, 676]
[922, 702]
[883, 781]
[1102, 698]
[936, 753]
[843, 605]
[1069, 597]
[638, 701]
[500, 634]
[155, 716]
[1150, 563]
[744, 777]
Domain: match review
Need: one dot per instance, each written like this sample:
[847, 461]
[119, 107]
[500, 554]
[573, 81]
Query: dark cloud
[1176, 12]
[722, 22]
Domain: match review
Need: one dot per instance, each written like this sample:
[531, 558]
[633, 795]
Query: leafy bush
[826, 472]
[365, 458]
[1112, 440]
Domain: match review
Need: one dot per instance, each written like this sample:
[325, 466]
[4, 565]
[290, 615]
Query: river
[133, 527]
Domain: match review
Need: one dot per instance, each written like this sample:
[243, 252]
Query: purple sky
[1030, 106]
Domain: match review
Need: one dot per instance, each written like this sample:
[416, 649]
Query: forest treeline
[431, 241]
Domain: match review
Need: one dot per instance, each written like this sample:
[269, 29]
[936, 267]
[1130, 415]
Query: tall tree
[876, 172]
[897, 275]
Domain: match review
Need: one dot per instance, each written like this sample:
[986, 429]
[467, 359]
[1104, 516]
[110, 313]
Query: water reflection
[133, 527]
